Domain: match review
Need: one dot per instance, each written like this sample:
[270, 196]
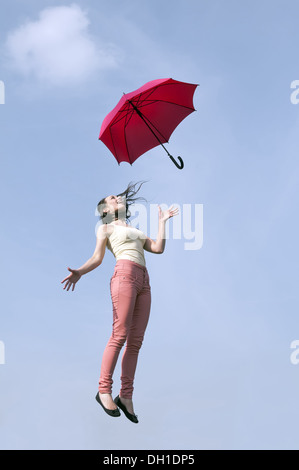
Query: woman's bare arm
[158, 246]
[98, 255]
[94, 261]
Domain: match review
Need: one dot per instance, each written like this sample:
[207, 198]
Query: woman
[130, 292]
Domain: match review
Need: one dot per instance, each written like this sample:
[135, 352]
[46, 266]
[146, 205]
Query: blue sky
[214, 371]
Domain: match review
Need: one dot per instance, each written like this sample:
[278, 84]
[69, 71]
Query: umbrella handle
[178, 165]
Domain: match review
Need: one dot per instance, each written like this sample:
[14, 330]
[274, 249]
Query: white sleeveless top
[127, 243]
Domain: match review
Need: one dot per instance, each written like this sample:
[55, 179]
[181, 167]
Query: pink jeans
[131, 300]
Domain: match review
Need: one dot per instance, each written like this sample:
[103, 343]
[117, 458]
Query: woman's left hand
[165, 215]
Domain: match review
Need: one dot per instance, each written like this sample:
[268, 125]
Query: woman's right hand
[71, 279]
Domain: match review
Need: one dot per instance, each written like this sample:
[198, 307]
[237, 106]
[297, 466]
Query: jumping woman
[130, 292]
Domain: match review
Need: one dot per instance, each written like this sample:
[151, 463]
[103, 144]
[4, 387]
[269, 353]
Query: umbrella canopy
[146, 118]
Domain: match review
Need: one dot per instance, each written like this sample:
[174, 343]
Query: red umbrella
[146, 118]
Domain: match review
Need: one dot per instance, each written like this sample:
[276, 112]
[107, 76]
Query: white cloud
[57, 48]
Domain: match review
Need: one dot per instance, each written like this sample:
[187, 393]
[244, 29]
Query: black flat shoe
[109, 412]
[130, 416]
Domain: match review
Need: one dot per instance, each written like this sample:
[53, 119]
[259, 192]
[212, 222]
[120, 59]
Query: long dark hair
[129, 193]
